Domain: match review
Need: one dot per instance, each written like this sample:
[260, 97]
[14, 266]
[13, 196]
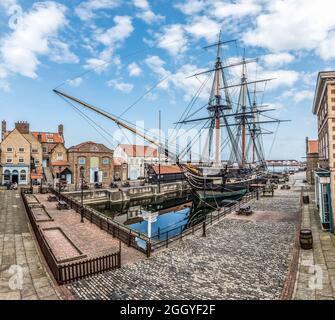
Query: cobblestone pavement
[316, 277]
[239, 259]
[87, 237]
[22, 275]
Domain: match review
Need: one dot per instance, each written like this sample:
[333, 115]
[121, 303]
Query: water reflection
[175, 212]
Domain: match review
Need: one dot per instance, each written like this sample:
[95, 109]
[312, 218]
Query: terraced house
[24, 154]
[324, 109]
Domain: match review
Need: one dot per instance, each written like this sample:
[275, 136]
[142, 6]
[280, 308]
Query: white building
[136, 156]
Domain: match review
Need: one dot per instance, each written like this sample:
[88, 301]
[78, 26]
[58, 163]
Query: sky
[133, 58]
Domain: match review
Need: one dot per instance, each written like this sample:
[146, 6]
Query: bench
[62, 205]
[244, 210]
[52, 198]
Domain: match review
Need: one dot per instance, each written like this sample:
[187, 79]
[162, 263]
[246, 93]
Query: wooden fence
[73, 271]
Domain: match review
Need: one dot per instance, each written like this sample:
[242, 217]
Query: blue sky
[137, 43]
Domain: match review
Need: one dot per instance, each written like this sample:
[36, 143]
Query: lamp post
[59, 169]
[82, 194]
[76, 177]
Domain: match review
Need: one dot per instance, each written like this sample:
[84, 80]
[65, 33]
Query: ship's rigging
[234, 124]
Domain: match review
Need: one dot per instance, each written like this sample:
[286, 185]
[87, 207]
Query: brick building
[49, 140]
[25, 153]
[324, 109]
[97, 161]
[312, 158]
[15, 151]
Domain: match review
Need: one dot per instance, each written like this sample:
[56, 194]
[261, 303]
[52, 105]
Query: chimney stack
[3, 129]
[61, 130]
[22, 127]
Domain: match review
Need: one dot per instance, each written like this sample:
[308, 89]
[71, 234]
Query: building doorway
[96, 176]
[15, 177]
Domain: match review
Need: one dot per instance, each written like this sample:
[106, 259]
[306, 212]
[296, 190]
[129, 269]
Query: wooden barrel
[306, 239]
[305, 199]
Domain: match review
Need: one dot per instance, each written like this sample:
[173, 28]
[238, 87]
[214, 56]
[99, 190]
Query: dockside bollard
[204, 229]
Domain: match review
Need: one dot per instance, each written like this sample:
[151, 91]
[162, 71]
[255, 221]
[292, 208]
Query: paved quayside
[316, 278]
[22, 275]
[239, 259]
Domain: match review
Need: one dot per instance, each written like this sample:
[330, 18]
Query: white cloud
[326, 49]
[121, 86]
[203, 27]
[288, 25]
[114, 36]
[61, 53]
[97, 65]
[173, 39]
[178, 80]
[278, 59]
[236, 9]
[87, 9]
[32, 38]
[75, 82]
[119, 32]
[191, 7]
[8, 4]
[146, 14]
[134, 70]
[281, 78]
[299, 95]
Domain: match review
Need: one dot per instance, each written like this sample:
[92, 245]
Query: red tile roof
[167, 169]
[133, 150]
[36, 176]
[313, 146]
[59, 163]
[56, 137]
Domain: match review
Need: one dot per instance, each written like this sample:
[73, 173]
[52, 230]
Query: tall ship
[232, 121]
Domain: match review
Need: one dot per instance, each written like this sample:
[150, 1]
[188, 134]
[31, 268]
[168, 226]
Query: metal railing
[73, 271]
[126, 235]
[134, 238]
[208, 220]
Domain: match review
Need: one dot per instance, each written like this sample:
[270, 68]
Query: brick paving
[316, 277]
[22, 274]
[239, 259]
[87, 237]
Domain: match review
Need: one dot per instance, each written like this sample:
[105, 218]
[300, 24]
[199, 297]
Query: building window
[333, 91]
[23, 175]
[105, 175]
[21, 149]
[50, 140]
[9, 149]
[34, 150]
[45, 149]
[9, 160]
[333, 99]
[81, 160]
[6, 175]
[105, 161]
[21, 160]
[37, 162]
[59, 156]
